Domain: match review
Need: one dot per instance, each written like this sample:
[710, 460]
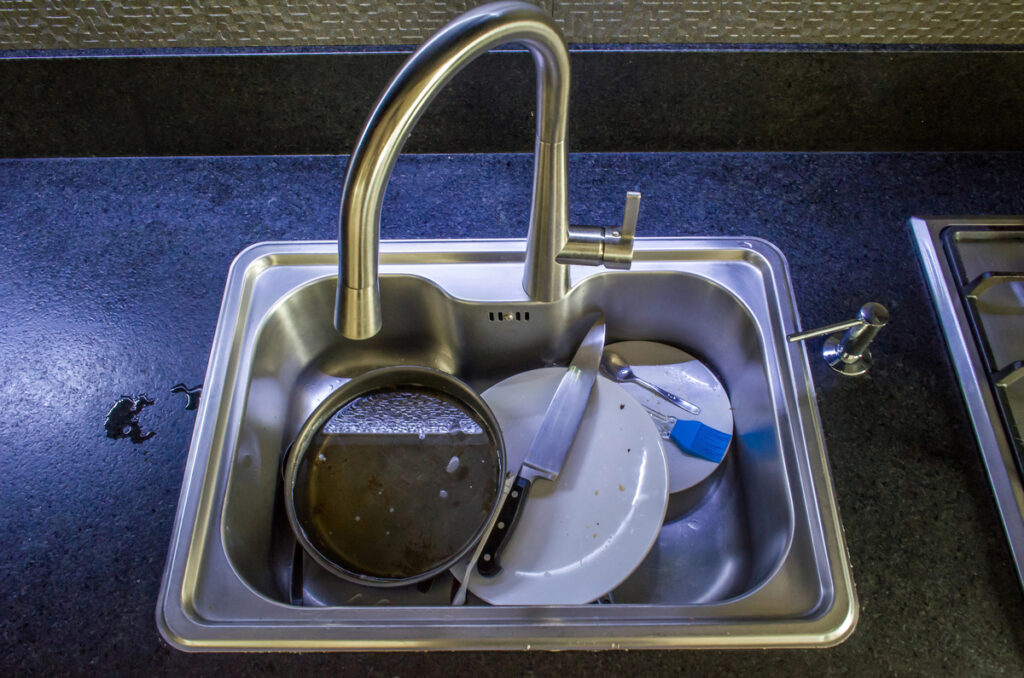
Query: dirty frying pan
[394, 476]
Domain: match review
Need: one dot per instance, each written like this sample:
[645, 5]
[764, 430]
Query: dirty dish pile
[578, 539]
[397, 476]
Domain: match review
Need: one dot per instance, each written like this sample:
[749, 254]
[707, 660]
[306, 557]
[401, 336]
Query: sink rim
[176, 617]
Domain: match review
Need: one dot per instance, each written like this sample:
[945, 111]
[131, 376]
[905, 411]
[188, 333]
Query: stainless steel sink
[759, 562]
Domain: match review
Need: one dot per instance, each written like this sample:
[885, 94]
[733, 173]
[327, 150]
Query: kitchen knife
[547, 452]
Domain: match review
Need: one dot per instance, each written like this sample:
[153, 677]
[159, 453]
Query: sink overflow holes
[503, 316]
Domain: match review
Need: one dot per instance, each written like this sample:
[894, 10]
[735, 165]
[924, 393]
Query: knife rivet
[487, 556]
[501, 525]
[515, 493]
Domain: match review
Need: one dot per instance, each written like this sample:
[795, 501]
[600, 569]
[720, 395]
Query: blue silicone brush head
[700, 440]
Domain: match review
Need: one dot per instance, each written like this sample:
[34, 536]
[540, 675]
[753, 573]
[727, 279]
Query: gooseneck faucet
[424, 74]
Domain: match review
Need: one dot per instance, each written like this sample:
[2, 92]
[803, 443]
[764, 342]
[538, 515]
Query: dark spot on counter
[122, 419]
[191, 394]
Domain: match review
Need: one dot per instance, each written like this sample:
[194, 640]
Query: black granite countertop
[111, 272]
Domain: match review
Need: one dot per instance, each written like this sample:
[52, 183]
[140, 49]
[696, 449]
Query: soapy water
[400, 480]
[388, 506]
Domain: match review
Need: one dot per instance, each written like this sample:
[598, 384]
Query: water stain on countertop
[123, 419]
[191, 394]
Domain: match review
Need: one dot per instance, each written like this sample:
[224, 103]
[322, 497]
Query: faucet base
[357, 311]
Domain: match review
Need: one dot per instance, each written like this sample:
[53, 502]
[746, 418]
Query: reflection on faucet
[427, 71]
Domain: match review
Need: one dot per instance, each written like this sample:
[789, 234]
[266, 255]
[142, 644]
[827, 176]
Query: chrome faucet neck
[424, 74]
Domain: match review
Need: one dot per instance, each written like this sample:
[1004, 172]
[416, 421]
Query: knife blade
[550, 445]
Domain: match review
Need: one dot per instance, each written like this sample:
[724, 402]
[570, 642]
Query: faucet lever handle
[611, 247]
[618, 243]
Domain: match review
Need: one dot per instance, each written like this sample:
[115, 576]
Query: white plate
[678, 372]
[579, 537]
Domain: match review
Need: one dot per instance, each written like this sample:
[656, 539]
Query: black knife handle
[508, 516]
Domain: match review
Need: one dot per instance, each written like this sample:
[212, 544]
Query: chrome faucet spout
[424, 74]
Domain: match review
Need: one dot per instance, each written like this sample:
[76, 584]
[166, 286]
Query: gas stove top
[975, 271]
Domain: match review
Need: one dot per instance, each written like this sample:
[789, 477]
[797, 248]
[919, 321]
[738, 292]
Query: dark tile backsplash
[661, 99]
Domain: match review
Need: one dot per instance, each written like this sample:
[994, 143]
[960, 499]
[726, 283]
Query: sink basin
[759, 562]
